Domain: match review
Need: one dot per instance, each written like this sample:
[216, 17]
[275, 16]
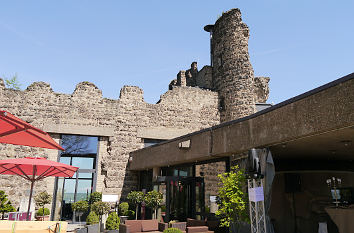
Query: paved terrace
[316, 124]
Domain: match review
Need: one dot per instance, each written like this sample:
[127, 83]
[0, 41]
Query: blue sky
[299, 44]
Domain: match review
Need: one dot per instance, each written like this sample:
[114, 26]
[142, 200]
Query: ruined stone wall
[183, 107]
[204, 78]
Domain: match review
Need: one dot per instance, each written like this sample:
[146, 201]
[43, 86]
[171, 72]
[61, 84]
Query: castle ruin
[196, 99]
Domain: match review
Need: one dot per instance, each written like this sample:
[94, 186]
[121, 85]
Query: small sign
[256, 194]
[212, 199]
[110, 198]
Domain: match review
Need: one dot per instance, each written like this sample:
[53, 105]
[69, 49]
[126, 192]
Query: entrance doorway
[184, 197]
[80, 151]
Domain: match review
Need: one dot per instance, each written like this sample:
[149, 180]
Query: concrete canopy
[316, 124]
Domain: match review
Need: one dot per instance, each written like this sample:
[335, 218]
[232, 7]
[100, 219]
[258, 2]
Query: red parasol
[34, 169]
[18, 132]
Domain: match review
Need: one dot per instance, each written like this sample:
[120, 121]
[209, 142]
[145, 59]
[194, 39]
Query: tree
[80, 207]
[100, 208]
[5, 204]
[95, 197]
[136, 197]
[153, 199]
[232, 198]
[13, 83]
[42, 199]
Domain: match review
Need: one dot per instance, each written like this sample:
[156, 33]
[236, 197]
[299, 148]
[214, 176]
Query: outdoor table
[343, 218]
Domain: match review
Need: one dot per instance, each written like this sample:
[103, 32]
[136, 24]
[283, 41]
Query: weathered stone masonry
[195, 100]
[183, 107]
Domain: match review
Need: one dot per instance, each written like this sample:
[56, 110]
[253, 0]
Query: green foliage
[232, 198]
[163, 208]
[95, 197]
[42, 212]
[43, 198]
[153, 199]
[131, 214]
[170, 223]
[5, 204]
[123, 209]
[113, 221]
[135, 197]
[172, 230]
[100, 208]
[80, 206]
[92, 218]
[13, 83]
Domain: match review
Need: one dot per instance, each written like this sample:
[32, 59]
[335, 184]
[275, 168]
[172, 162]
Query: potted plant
[92, 221]
[232, 200]
[42, 214]
[100, 208]
[153, 199]
[123, 211]
[80, 207]
[42, 199]
[112, 223]
[136, 197]
[5, 204]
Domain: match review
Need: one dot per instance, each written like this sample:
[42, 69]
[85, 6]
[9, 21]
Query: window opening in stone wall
[150, 142]
[80, 151]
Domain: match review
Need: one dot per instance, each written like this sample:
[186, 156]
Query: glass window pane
[77, 144]
[85, 175]
[84, 188]
[65, 160]
[69, 191]
[83, 162]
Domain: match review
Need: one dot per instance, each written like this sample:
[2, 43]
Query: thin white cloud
[22, 35]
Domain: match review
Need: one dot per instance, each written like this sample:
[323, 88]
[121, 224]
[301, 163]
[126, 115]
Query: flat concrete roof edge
[276, 106]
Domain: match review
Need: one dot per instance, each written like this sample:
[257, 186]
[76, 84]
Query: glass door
[184, 198]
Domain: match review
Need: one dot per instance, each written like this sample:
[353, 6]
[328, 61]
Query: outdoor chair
[139, 226]
[197, 226]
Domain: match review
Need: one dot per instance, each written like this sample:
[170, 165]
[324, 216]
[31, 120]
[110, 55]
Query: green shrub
[232, 198]
[131, 214]
[92, 218]
[100, 208]
[80, 206]
[113, 221]
[40, 212]
[123, 209]
[95, 197]
[172, 230]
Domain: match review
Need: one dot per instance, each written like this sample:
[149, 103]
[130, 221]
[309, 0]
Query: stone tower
[233, 76]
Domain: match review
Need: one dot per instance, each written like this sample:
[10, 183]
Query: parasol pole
[29, 202]
[30, 197]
